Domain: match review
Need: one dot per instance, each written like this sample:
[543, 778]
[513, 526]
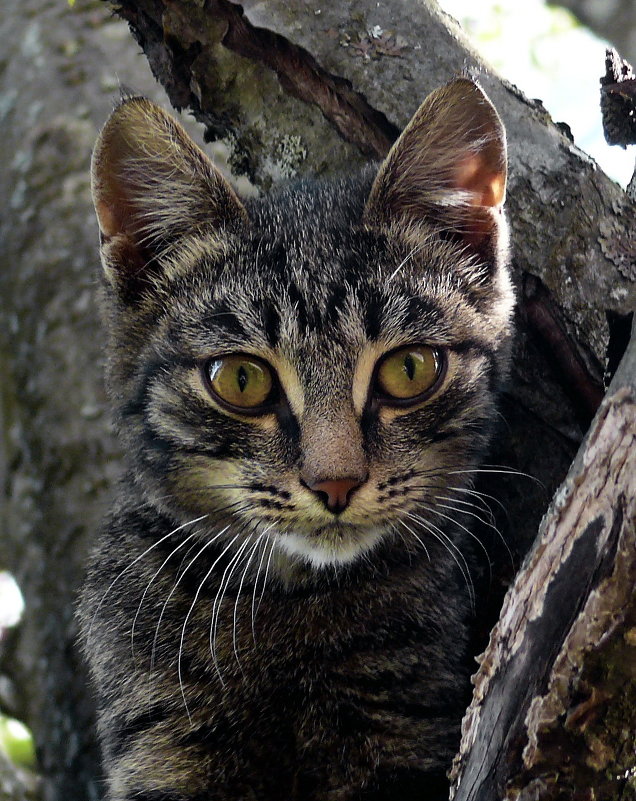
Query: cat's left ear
[447, 167]
[152, 187]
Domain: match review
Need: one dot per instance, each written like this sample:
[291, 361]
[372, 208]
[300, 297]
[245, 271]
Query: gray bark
[553, 714]
[293, 88]
[59, 74]
[16, 784]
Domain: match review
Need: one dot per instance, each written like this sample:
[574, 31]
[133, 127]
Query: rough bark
[59, 73]
[293, 88]
[618, 100]
[553, 715]
[16, 784]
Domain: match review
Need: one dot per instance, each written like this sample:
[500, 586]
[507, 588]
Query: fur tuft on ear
[448, 167]
[151, 187]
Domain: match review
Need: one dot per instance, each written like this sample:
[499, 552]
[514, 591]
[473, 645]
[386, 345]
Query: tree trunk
[553, 715]
[59, 74]
[295, 87]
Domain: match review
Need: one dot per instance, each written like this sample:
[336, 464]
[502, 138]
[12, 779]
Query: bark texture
[553, 714]
[59, 76]
[618, 100]
[16, 784]
[297, 87]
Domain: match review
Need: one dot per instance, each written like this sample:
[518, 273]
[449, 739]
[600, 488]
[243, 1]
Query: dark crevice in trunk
[301, 76]
[299, 73]
[620, 330]
[560, 351]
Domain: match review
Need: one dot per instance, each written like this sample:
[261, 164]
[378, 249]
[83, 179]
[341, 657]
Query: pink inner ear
[485, 184]
[107, 219]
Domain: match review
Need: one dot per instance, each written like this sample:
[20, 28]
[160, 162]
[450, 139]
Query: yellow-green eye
[242, 381]
[408, 372]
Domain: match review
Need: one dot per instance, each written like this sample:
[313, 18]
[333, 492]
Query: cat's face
[318, 368]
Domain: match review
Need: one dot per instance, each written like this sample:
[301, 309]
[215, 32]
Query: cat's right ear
[447, 167]
[152, 186]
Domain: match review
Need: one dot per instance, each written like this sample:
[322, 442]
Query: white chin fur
[320, 554]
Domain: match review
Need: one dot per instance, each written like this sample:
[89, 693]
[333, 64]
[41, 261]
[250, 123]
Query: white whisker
[269, 559]
[174, 589]
[434, 509]
[410, 530]
[134, 562]
[238, 595]
[479, 507]
[487, 523]
[450, 546]
[148, 585]
[192, 605]
[218, 601]
[479, 496]
[506, 471]
[258, 575]
[404, 261]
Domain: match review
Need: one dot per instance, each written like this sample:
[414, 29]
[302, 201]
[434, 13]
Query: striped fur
[246, 642]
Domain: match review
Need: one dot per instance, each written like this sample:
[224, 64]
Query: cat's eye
[409, 374]
[241, 381]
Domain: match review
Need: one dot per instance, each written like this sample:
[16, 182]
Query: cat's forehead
[304, 297]
[308, 275]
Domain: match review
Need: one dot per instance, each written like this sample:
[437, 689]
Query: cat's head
[319, 367]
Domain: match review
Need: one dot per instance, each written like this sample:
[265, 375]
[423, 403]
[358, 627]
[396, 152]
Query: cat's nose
[336, 493]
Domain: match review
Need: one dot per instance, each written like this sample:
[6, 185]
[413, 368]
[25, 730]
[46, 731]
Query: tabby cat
[304, 384]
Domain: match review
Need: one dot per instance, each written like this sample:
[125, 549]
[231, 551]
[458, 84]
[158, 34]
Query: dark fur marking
[290, 429]
[124, 730]
[419, 309]
[298, 301]
[335, 305]
[271, 323]
[137, 404]
[270, 254]
[166, 447]
[441, 436]
[225, 319]
[468, 345]
[271, 489]
[374, 316]
[268, 503]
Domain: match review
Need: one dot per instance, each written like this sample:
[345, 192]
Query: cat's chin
[333, 544]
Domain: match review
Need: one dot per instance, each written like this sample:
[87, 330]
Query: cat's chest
[238, 640]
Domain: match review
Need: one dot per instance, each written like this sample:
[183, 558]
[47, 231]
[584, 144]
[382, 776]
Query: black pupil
[409, 366]
[241, 377]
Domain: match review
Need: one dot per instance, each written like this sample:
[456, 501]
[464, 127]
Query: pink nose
[335, 493]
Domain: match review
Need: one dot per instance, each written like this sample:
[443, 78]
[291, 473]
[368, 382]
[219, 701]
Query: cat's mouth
[331, 543]
[336, 531]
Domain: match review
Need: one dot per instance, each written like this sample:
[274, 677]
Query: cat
[277, 606]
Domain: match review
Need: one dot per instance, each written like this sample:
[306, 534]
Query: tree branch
[553, 714]
[16, 784]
